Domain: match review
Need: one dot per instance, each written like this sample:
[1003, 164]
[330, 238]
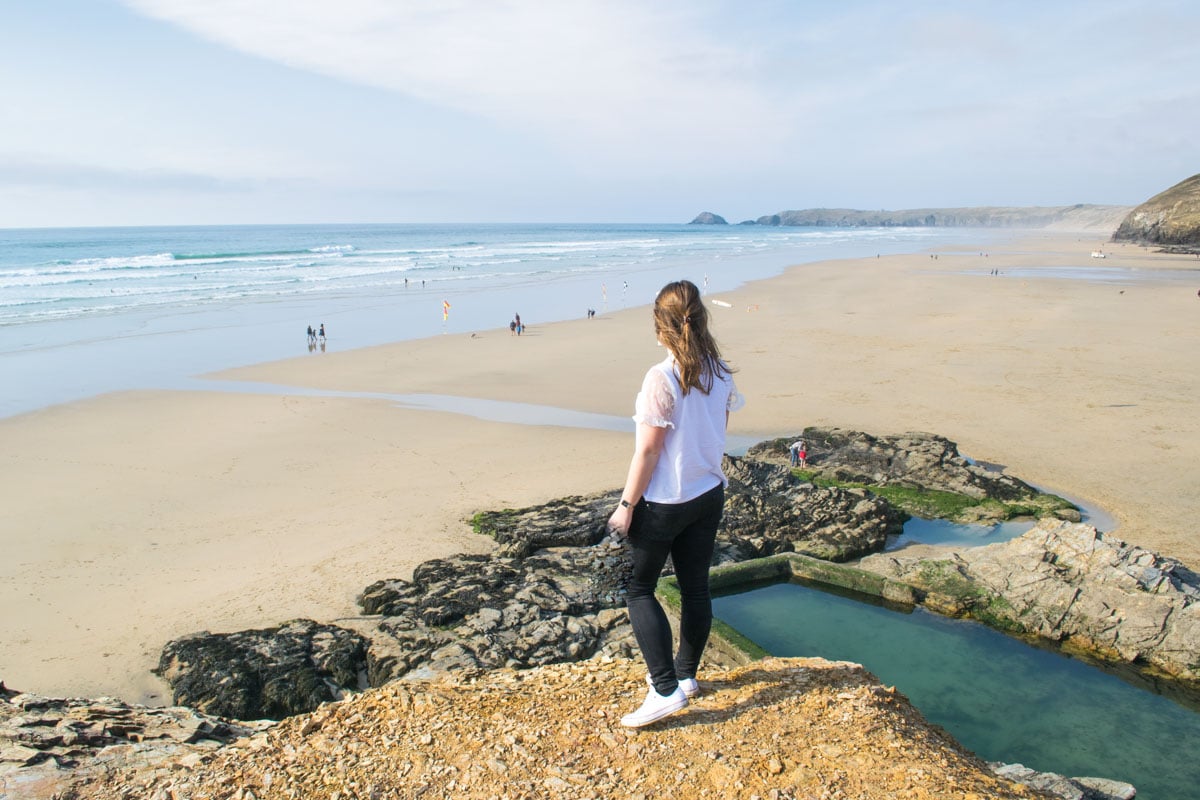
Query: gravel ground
[774, 729]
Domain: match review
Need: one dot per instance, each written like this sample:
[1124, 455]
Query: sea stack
[708, 218]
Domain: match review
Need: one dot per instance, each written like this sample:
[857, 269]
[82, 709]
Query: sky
[159, 112]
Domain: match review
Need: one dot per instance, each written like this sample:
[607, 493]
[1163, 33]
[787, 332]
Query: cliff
[1169, 218]
[779, 728]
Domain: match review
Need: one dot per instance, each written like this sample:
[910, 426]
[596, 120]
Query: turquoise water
[954, 534]
[1003, 699]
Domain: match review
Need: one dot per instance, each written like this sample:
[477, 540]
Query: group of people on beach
[315, 334]
[516, 327]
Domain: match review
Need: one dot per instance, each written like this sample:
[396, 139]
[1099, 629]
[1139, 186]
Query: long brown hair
[681, 322]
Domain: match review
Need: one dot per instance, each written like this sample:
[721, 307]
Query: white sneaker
[690, 686]
[655, 707]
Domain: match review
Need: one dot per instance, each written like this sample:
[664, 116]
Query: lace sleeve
[655, 404]
[736, 399]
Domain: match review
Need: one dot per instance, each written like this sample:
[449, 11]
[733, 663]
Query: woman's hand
[618, 523]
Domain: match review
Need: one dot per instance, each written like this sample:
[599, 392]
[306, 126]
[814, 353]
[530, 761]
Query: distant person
[322, 332]
[512, 328]
[310, 334]
[674, 495]
[798, 454]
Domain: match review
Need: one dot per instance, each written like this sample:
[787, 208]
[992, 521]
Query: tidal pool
[1004, 699]
[918, 530]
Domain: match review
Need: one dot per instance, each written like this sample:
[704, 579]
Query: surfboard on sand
[722, 304]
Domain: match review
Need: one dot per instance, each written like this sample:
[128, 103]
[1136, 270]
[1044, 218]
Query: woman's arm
[648, 446]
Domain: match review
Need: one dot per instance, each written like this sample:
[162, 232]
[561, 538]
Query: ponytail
[681, 322]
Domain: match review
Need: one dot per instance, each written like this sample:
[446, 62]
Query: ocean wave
[179, 268]
[240, 255]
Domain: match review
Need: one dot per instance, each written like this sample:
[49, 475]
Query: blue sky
[144, 112]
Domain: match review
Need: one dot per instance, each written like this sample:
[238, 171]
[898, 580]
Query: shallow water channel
[1003, 699]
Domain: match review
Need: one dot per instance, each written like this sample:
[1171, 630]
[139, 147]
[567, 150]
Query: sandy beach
[133, 518]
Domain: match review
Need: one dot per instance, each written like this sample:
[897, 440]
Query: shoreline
[221, 510]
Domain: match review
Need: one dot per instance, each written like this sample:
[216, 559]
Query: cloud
[598, 77]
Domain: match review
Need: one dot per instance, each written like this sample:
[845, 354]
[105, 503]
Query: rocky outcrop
[1064, 787]
[708, 218]
[44, 741]
[471, 613]
[1169, 218]
[769, 511]
[923, 460]
[553, 591]
[270, 673]
[778, 728]
[1068, 583]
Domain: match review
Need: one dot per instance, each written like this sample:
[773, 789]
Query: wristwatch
[625, 503]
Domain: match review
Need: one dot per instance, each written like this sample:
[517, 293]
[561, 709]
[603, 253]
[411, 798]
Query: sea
[86, 311]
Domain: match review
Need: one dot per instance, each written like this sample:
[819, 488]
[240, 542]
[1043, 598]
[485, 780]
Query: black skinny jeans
[685, 532]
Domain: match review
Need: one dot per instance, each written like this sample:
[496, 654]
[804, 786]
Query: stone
[1067, 582]
[264, 674]
[48, 742]
[914, 459]
[1064, 787]
[769, 511]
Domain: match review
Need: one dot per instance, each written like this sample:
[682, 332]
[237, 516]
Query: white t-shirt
[690, 463]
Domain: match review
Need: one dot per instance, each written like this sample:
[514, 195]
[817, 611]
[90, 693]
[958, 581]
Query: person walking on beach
[674, 495]
[322, 332]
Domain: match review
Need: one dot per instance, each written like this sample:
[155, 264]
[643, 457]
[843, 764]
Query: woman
[674, 495]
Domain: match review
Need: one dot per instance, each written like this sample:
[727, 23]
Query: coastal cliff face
[1169, 218]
